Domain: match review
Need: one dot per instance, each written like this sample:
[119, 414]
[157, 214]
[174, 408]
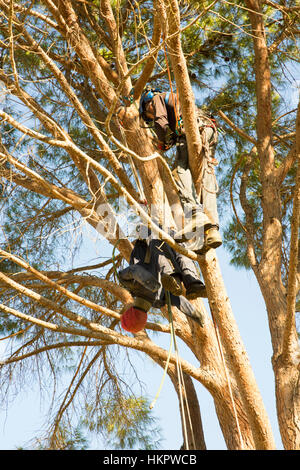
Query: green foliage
[72, 439]
[126, 423]
[68, 438]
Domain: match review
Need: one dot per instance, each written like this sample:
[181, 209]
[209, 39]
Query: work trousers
[158, 258]
[203, 206]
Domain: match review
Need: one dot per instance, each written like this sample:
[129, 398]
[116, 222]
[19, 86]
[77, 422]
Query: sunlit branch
[49, 347]
[63, 290]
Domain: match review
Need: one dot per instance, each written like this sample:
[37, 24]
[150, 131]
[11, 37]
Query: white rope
[181, 383]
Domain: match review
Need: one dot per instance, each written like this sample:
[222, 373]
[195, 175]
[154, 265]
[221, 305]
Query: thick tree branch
[50, 326]
[286, 165]
[67, 278]
[243, 374]
[272, 229]
[113, 29]
[186, 95]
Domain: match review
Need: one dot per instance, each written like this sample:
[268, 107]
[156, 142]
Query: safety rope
[164, 375]
[114, 260]
[181, 384]
[209, 170]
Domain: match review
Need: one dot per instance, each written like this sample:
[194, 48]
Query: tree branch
[49, 347]
[107, 152]
[63, 290]
[149, 66]
[63, 278]
[65, 405]
[186, 95]
[121, 63]
[239, 131]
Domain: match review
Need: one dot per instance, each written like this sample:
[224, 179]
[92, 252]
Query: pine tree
[72, 143]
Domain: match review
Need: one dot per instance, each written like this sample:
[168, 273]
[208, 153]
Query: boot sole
[214, 244]
[196, 295]
[170, 284]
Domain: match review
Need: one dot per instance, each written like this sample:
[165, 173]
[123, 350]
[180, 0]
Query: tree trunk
[222, 312]
[268, 273]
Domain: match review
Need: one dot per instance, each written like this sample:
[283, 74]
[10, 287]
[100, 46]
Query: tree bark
[268, 273]
[243, 374]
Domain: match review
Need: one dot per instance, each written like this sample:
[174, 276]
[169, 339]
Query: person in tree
[163, 111]
[155, 268]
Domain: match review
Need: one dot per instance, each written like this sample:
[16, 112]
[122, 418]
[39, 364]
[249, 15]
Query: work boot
[172, 283]
[195, 290]
[188, 309]
[212, 239]
[141, 275]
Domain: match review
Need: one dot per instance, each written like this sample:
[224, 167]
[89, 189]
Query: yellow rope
[164, 375]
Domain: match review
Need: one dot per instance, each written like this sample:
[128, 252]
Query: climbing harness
[164, 375]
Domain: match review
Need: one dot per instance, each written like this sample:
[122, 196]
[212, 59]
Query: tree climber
[201, 211]
[154, 268]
